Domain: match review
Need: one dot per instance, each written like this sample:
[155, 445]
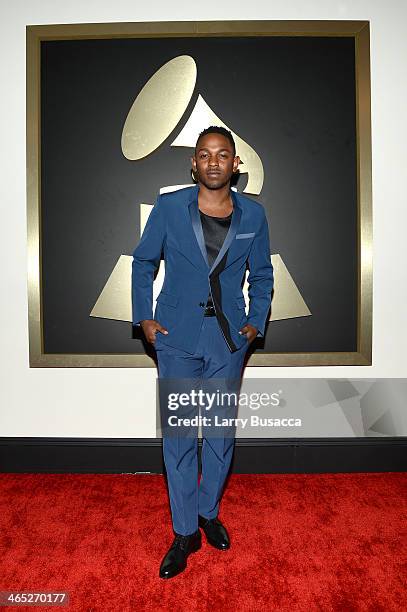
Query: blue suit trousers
[212, 359]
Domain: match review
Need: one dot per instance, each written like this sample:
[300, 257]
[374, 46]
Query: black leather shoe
[175, 561]
[215, 532]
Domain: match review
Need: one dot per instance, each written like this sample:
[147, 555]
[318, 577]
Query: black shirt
[214, 230]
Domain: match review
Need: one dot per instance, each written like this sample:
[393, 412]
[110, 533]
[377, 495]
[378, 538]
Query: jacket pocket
[249, 235]
[168, 299]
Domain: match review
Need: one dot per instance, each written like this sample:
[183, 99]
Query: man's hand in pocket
[150, 327]
[249, 331]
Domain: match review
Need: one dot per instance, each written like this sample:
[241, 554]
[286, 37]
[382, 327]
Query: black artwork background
[291, 98]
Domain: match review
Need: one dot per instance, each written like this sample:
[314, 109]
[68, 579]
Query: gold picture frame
[359, 30]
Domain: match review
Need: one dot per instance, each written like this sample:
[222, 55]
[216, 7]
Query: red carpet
[313, 542]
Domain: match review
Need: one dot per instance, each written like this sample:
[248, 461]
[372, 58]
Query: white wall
[120, 402]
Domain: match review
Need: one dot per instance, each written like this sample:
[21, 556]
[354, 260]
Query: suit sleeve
[260, 279]
[146, 259]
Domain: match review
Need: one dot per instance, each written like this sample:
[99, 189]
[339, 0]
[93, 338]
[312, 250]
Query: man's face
[214, 162]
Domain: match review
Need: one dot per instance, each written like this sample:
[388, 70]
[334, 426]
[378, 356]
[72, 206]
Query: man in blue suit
[208, 234]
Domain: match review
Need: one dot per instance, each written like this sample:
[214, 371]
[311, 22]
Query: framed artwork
[113, 114]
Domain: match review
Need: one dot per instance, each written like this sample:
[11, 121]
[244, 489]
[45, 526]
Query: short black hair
[217, 129]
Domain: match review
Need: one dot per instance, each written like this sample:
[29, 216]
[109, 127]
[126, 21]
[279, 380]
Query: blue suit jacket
[174, 226]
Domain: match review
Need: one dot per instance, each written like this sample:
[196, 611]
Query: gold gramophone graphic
[154, 115]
